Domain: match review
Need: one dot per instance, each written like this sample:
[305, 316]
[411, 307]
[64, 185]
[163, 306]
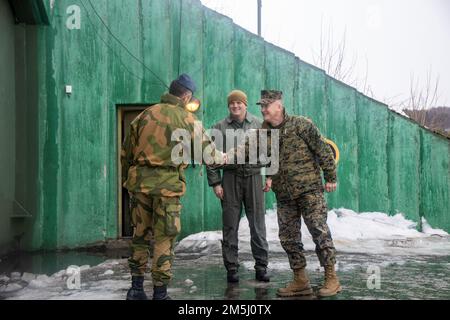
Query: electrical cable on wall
[109, 47]
[213, 56]
[124, 46]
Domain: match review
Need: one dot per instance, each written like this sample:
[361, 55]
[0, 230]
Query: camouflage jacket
[302, 153]
[146, 161]
[244, 170]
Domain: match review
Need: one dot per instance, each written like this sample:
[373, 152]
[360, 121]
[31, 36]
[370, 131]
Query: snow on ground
[106, 281]
[368, 232]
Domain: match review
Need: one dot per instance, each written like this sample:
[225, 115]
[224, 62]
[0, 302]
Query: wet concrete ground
[203, 277]
[407, 278]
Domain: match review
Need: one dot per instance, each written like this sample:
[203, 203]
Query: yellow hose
[334, 148]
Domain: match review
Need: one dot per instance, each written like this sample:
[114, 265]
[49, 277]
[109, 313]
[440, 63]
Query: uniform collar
[248, 118]
[171, 99]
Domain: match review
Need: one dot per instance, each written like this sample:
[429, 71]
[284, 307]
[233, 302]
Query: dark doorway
[126, 115]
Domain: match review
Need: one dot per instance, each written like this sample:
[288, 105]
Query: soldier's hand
[268, 185]
[225, 158]
[218, 190]
[330, 187]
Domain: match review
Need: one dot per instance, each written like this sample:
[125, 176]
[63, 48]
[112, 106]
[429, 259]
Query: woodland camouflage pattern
[155, 184]
[147, 166]
[155, 218]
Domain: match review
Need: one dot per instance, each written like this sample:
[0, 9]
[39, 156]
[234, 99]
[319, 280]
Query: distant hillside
[437, 119]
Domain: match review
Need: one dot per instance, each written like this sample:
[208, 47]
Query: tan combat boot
[299, 287]
[331, 285]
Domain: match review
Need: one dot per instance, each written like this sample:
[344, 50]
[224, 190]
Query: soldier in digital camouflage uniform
[155, 184]
[299, 190]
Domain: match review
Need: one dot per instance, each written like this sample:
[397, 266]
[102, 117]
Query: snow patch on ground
[367, 232]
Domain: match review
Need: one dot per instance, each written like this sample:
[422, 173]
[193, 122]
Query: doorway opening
[125, 115]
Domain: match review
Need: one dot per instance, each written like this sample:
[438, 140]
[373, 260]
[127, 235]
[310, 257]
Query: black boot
[160, 293]
[232, 276]
[261, 275]
[136, 292]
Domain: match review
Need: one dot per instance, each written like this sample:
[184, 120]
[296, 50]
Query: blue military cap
[187, 82]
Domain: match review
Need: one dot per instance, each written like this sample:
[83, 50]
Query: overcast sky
[394, 39]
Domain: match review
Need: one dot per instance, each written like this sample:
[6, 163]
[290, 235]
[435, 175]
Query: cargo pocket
[172, 219]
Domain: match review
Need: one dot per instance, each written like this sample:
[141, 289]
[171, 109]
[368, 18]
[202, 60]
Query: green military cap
[269, 96]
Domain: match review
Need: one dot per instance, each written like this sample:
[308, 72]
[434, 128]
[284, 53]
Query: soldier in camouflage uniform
[155, 184]
[300, 193]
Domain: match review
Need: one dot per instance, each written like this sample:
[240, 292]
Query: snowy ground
[372, 232]
[409, 265]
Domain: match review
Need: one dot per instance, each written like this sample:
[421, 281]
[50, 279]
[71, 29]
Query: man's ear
[185, 97]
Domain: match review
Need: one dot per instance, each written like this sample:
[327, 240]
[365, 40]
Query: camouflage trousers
[312, 207]
[157, 219]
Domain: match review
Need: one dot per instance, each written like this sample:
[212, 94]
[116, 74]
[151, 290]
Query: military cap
[269, 96]
[187, 82]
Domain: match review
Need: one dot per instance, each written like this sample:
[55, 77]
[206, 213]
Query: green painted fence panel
[249, 67]
[435, 177]
[157, 47]
[403, 166]
[175, 7]
[312, 95]
[342, 129]
[50, 130]
[218, 60]
[191, 62]
[372, 119]
[84, 137]
[281, 74]
[125, 74]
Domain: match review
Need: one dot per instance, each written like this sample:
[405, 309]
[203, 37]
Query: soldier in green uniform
[155, 184]
[299, 190]
[240, 185]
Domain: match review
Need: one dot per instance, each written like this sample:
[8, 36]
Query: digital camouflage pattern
[299, 189]
[312, 207]
[147, 166]
[269, 96]
[155, 218]
[302, 154]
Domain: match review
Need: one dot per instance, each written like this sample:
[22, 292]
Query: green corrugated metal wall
[387, 163]
[342, 129]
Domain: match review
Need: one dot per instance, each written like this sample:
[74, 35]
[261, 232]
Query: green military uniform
[155, 184]
[242, 184]
[299, 189]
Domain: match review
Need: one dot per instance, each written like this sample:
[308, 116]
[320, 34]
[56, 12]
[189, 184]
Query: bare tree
[421, 99]
[332, 57]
